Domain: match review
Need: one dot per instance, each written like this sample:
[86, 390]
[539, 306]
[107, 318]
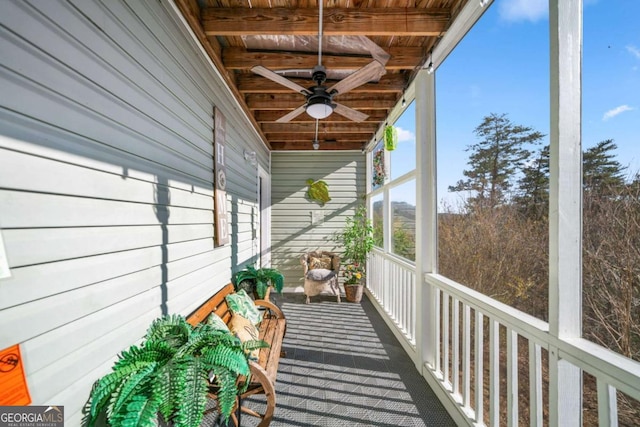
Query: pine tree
[533, 197]
[495, 160]
[601, 172]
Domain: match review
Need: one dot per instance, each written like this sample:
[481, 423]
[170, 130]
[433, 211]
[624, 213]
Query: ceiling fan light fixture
[319, 107]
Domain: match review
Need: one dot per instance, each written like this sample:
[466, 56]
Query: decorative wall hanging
[390, 138]
[318, 191]
[379, 171]
[221, 218]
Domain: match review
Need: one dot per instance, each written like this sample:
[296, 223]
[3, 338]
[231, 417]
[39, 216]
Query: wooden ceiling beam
[266, 116]
[248, 83]
[236, 58]
[342, 137]
[289, 102]
[310, 128]
[192, 14]
[306, 145]
[380, 21]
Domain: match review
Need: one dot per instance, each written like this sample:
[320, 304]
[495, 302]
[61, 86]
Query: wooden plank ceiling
[282, 36]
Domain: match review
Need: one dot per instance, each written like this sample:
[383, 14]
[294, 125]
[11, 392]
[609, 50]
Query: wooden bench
[263, 372]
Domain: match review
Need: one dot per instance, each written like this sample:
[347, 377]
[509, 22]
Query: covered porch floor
[345, 367]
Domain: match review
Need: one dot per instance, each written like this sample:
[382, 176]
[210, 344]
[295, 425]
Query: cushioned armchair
[320, 273]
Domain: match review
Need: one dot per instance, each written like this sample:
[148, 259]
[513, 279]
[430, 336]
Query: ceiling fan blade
[265, 72]
[378, 53]
[350, 113]
[292, 115]
[371, 71]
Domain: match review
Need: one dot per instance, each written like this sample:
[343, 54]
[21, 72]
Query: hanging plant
[390, 138]
[379, 171]
[318, 191]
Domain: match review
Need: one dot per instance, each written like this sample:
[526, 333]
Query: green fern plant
[259, 280]
[168, 373]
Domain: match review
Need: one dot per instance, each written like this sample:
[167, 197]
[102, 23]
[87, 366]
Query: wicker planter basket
[353, 293]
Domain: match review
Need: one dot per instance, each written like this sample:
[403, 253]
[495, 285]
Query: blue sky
[502, 66]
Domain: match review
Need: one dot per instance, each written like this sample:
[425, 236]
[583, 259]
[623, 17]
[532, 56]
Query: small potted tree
[357, 242]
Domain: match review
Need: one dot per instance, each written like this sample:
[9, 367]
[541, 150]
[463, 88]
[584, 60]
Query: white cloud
[405, 135]
[523, 10]
[633, 51]
[615, 111]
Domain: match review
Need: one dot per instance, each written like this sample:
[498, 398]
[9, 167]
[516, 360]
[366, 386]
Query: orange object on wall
[13, 382]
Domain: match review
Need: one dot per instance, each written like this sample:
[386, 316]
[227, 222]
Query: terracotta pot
[353, 293]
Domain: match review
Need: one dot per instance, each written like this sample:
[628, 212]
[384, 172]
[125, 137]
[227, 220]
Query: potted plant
[168, 375]
[357, 241]
[257, 281]
[353, 281]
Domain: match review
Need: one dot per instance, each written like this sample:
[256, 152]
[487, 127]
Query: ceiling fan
[319, 98]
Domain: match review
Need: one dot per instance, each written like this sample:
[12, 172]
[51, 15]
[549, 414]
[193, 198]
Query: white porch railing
[481, 345]
[393, 283]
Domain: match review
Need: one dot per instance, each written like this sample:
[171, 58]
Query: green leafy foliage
[318, 191]
[357, 237]
[259, 279]
[168, 374]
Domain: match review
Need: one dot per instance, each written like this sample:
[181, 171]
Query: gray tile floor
[344, 367]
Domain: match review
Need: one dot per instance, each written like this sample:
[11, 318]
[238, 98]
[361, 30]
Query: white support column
[426, 218]
[565, 207]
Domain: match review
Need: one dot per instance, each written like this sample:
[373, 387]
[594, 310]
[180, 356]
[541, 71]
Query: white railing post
[426, 219]
[479, 369]
[607, 405]
[565, 208]
[535, 384]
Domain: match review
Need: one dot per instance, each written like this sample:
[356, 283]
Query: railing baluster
[414, 309]
[607, 404]
[445, 336]
[456, 348]
[466, 367]
[438, 350]
[479, 368]
[403, 301]
[494, 373]
[512, 378]
[535, 384]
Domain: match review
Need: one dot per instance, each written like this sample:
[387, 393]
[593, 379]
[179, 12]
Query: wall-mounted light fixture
[316, 144]
[250, 156]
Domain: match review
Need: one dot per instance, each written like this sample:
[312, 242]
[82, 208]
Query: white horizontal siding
[292, 230]
[106, 184]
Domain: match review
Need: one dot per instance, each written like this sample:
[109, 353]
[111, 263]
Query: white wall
[106, 184]
[299, 225]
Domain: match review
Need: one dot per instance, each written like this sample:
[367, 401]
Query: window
[394, 190]
[403, 158]
[403, 220]
[378, 220]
